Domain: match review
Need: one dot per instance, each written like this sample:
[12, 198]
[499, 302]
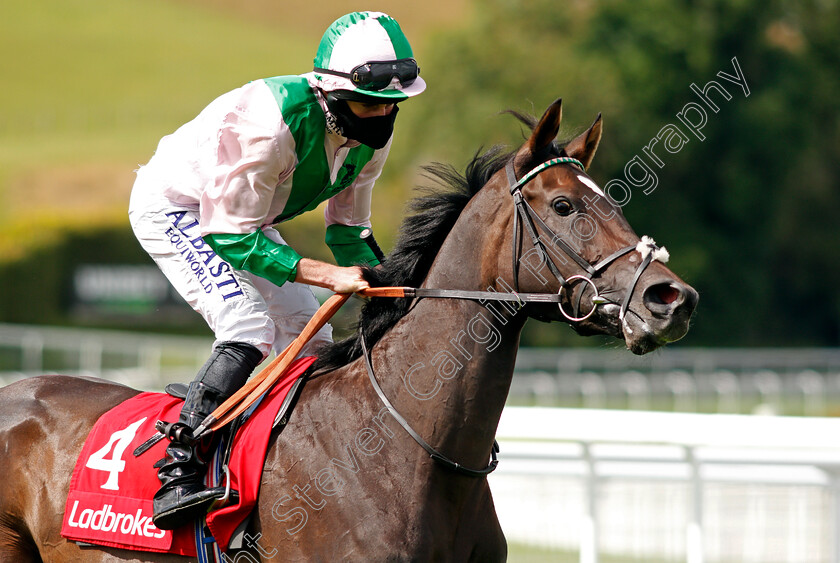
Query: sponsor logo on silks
[210, 270]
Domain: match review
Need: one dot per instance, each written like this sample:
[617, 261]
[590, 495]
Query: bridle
[524, 217]
[524, 213]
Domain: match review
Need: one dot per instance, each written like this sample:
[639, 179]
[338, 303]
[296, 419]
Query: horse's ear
[583, 146]
[546, 130]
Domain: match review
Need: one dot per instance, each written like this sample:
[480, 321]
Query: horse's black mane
[431, 217]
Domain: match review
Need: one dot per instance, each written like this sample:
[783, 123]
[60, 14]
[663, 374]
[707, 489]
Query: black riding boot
[183, 496]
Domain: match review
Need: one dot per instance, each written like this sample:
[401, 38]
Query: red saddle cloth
[110, 499]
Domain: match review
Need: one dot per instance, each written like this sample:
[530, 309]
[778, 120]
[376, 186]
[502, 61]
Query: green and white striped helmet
[367, 53]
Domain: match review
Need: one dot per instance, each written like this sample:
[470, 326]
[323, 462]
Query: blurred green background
[750, 214]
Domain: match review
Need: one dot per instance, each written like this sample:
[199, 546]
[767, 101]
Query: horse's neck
[450, 362]
[447, 368]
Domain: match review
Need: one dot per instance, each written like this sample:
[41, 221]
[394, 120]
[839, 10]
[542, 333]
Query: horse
[385, 454]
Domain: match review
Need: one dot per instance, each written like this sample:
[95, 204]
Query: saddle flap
[289, 402]
[177, 390]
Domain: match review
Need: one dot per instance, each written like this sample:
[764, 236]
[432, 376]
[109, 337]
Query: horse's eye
[562, 206]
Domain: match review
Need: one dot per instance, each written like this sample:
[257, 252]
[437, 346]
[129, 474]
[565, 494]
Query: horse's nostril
[663, 294]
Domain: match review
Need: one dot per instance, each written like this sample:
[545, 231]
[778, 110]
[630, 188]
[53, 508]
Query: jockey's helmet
[367, 54]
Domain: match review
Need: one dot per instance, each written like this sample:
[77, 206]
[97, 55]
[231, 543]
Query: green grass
[95, 78]
[90, 86]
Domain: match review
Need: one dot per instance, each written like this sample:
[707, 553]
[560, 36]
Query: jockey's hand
[335, 278]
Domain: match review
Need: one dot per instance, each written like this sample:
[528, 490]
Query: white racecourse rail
[670, 486]
[648, 485]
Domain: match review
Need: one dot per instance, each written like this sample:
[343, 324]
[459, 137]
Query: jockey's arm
[279, 263]
[336, 278]
[347, 214]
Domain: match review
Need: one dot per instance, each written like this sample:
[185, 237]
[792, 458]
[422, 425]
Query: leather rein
[524, 217]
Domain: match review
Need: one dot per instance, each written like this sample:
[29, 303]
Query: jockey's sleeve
[258, 254]
[347, 245]
[347, 214]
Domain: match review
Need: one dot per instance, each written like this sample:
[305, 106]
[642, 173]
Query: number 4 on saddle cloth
[110, 499]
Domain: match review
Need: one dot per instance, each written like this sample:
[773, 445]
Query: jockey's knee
[258, 331]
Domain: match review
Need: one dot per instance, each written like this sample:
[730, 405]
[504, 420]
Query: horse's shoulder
[343, 384]
[321, 395]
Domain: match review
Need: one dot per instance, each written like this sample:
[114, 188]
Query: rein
[524, 214]
[433, 453]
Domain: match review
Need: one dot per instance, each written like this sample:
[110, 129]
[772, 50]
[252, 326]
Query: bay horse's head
[569, 237]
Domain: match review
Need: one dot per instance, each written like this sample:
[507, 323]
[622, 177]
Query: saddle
[111, 489]
[179, 390]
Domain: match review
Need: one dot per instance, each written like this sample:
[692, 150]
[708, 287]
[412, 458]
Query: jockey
[204, 206]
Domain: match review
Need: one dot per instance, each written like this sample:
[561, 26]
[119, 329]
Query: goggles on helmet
[377, 75]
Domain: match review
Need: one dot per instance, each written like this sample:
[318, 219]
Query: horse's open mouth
[641, 338]
[647, 343]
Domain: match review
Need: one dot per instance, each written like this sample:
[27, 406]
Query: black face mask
[371, 131]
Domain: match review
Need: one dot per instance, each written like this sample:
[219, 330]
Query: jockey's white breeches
[236, 304]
